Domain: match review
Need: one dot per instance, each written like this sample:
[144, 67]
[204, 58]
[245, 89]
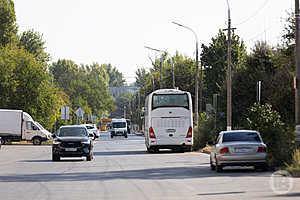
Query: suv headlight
[86, 142]
[56, 142]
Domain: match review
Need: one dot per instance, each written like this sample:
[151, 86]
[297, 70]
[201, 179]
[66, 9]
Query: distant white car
[92, 128]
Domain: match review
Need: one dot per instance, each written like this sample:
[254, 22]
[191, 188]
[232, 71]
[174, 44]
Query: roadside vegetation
[31, 81]
[274, 66]
[294, 166]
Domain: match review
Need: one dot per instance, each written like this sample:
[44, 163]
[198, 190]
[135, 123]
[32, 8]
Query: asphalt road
[122, 169]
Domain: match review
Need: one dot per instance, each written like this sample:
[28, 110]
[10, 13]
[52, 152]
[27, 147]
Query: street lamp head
[177, 23]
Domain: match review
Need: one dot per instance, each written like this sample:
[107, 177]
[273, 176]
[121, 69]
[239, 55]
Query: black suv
[72, 141]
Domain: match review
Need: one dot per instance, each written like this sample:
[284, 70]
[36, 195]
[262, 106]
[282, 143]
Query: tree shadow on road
[119, 153]
[143, 174]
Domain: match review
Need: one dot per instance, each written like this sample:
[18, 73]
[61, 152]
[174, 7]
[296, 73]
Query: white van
[119, 128]
[168, 120]
[16, 125]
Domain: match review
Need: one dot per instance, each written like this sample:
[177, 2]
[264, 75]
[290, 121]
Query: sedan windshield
[72, 132]
[241, 137]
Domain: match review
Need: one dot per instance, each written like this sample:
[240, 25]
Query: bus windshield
[170, 100]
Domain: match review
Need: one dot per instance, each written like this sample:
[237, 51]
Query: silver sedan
[238, 148]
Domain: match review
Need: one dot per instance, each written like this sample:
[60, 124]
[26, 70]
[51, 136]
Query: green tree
[214, 63]
[25, 84]
[33, 43]
[8, 27]
[277, 137]
[116, 78]
[87, 86]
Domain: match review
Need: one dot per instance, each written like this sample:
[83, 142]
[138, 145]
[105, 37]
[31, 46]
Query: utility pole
[297, 49]
[160, 72]
[173, 72]
[228, 79]
[297, 89]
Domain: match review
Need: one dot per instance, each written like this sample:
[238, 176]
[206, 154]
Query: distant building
[117, 91]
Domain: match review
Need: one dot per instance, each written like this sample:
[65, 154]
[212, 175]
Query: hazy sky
[116, 31]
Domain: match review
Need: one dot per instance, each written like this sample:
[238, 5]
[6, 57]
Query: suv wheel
[55, 157]
[90, 157]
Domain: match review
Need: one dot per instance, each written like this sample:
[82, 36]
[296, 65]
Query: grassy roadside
[294, 167]
[49, 142]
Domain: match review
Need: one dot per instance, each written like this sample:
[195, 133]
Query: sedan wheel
[212, 167]
[219, 168]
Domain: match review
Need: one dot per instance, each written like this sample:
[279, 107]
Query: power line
[254, 14]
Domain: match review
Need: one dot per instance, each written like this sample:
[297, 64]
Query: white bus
[168, 120]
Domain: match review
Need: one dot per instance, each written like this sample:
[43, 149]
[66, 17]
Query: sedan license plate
[242, 149]
[70, 149]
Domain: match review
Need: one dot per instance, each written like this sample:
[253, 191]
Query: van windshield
[119, 124]
[170, 100]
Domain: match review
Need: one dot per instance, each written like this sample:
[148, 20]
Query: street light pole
[196, 76]
[160, 64]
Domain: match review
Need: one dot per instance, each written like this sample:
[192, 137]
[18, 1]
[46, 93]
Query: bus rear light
[189, 133]
[151, 133]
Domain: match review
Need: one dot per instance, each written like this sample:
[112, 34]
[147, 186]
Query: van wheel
[37, 141]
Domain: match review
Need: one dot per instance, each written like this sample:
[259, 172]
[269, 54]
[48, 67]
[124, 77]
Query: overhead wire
[254, 14]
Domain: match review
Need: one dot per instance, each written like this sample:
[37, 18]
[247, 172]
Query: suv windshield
[241, 137]
[119, 125]
[72, 132]
[170, 100]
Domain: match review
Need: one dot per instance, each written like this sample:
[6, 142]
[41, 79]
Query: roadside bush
[205, 131]
[277, 137]
[294, 167]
